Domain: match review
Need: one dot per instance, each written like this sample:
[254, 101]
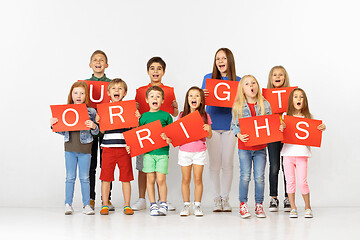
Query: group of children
[223, 127]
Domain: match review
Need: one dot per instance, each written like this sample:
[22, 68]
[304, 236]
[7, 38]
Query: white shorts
[189, 158]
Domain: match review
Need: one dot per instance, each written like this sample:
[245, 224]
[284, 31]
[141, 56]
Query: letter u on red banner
[98, 92]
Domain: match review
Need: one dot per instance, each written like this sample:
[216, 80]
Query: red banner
[98, 92]
[166, 106]
[278, 98]
[261, 129]
[302, 131]
[222, 93]
[117, 115]
[71, 117]
[186, 129]
[144, 138]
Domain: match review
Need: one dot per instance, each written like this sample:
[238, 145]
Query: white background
[46, 46]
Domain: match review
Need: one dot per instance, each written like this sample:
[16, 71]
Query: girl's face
[194, 99]
[78, 95]
[298, 100]
[250, 88]
[278, 77]
[221, 62]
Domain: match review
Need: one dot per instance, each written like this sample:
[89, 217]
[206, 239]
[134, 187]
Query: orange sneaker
[128, 210]
[104, 210]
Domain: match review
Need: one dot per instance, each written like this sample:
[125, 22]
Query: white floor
[51, 223]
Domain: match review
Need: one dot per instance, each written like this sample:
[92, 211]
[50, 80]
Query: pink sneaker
[244, 212]
[259, 210]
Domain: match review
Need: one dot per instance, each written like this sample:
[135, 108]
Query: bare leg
[198, 172]
[292, 200]
[150, 179]
[306, 198]
[105, 191]
[142, 184]
[126, 187]
[161, 181]
[185, 182]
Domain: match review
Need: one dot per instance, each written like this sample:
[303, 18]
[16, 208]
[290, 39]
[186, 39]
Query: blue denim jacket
[246, 113]
[85, 135]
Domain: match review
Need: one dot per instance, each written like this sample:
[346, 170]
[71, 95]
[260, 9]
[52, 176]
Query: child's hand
[137, 114]
[127, 149]
[137, 105]
[97, 118]
[174, 104]
[243, 137]
[90, 124]
[282, 126]
[163, 136]
[206, 92]
[53, 121]
[206, 127]
[322, 127]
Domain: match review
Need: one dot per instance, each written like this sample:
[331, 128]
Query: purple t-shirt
[196, 146]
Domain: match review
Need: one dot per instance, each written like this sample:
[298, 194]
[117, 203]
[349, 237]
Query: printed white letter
[302, 130]
[143, 138]
[266, 126]
[116, 114]
[76, 119]
[279, 96]
[101, 92]
[183, 128]
[226, 92]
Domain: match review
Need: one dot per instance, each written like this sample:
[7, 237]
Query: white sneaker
[186, 210]
[197, 211]
[226, 205]
[308, 213]
[217, 205]
[154, 210]
[68, 209]
[163, 208]
[88, 210]
[293, 213]
[140, 204]
[171, 207]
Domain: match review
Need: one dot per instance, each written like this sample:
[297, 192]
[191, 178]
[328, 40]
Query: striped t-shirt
[114, 138]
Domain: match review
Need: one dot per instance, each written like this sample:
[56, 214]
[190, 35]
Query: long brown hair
[231, 73]
[291, 109]
[83, 85]
[201, 108]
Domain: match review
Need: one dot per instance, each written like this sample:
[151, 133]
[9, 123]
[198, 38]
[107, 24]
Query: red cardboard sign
[71, 117]
[186, 129]
[261, 129]
[168, 99]
[98, 92]
[117, 115]
[145, 138]
[278, 98]
[222, 93]
[302, 131]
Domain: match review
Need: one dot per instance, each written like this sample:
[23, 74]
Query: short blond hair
[99, 52]
[117, 81]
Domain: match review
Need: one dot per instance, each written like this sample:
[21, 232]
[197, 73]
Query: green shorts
[155, 163]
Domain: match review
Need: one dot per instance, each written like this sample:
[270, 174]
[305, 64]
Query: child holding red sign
[278, 78]
[78, 150]
[296, 156]
[193, 155]
[250, 102]
[222, 144]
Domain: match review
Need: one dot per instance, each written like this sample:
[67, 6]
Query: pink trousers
[300, 164]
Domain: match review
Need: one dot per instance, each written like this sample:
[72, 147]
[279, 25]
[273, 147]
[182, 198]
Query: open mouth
[222, 66]
[277, 81]
[116, 96]
[97, 66]
[78, 100]
[299, 104]
[155, 104]
[252, 90]
[156, 76]
[193, 103]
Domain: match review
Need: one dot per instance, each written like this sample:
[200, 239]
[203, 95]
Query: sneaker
[226, 205]
[287, 206]
[217, 205]
[140, 204]
[154, 210]
[244, 212]
[111, 207]
[128, 211]
[274, 205]
[163, 208]
[68, 209]
[197, 211]
[88, 210]
[104, 210]
[308, 213]
[171, 207]
[259, 211]
[92, 204]
[186, 210]
[293, 213]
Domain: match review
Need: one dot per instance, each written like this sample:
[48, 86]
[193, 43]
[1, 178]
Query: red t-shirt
[241, 145]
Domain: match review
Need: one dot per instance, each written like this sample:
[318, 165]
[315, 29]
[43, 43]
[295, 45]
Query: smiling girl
[222, 144]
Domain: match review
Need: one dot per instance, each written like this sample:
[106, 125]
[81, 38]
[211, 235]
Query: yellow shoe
[104, 210]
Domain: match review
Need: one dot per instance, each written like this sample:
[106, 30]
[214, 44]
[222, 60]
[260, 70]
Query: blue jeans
[72, 159]
[247, 158]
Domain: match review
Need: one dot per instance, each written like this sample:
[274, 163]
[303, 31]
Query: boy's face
[98, 63]
[154, 99]
[117, 92]
[156, 72]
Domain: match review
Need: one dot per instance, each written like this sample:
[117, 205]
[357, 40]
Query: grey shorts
[139, 162]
